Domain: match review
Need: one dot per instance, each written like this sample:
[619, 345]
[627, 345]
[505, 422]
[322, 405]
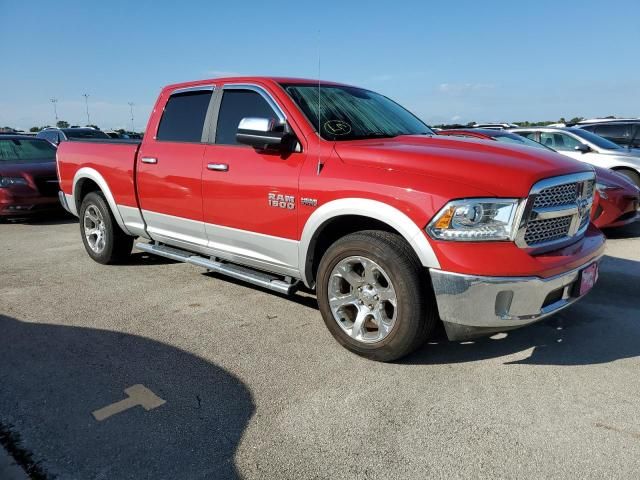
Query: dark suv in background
[57, 135]
[625, 133]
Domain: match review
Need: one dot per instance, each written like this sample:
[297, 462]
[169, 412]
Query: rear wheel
[374, 297]
[103, 239]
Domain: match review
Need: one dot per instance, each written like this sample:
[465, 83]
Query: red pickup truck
[281, 182]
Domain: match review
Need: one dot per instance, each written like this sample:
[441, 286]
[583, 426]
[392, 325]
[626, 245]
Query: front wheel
[103, 239]
[374, 297]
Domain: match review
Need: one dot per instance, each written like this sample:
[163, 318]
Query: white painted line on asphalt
[138, 395]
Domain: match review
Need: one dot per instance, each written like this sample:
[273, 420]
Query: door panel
[169, 170]
[238, 199]
[238, 183]
[172, 186]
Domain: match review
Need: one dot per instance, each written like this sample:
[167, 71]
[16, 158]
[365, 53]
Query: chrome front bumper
[471, 305]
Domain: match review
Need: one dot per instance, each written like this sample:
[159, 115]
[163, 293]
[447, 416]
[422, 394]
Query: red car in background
[28, 179]
[617, 200]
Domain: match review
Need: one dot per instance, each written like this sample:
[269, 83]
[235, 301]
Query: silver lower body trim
[133, 220]
[256, 250]
[64, 201]
[502, 302]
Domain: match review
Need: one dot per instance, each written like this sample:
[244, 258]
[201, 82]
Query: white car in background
[587, 147]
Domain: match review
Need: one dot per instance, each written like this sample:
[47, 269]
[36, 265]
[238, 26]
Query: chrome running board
[255, 277]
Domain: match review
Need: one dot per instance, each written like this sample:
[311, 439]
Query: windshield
[82, 133]
[597, 140]
[349, 113]
[26, 151]
[518, 140]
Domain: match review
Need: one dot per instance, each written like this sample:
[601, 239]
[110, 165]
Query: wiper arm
[377, 135]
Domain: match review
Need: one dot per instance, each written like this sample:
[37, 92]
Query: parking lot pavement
[202, 377]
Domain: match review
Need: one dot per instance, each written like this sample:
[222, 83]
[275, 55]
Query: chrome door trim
[196, 88]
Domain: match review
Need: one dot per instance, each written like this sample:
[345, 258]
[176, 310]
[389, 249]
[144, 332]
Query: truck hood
[498, 169]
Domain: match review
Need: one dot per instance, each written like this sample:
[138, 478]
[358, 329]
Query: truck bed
[113, 160]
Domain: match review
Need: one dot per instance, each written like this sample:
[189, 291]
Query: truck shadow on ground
[143, 258]
[61, 218]
[602, 327]
[52, 377]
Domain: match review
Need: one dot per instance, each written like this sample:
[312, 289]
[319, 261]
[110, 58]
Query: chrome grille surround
[556, 212]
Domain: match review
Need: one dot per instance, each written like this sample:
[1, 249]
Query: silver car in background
[587, 147]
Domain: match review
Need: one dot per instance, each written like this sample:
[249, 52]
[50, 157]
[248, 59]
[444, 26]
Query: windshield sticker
[337, 127]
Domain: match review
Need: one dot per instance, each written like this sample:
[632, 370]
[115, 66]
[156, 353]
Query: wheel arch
[342, 217]
[88, 180]
[617, 168]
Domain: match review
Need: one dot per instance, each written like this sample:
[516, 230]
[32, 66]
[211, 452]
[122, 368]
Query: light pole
[131, 110]
[86, 103]
[54, 101]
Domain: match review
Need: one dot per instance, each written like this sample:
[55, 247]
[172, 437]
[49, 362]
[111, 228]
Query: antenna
[320, 164]
[86, 102]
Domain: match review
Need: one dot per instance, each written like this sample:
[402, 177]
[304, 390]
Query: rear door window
[184, 116]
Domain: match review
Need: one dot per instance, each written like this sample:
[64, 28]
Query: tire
[356, 277]
[631, 175]
[107, 243]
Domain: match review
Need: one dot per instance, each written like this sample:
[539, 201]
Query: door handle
[149, 160]
[218, 167]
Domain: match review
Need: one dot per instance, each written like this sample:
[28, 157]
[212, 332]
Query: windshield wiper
[376, 135]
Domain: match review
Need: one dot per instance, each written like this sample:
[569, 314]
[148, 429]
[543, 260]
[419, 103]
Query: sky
[447, 61]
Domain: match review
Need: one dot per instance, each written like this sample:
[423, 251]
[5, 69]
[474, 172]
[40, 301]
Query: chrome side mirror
[260, 133]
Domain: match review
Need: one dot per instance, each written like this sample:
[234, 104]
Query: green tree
[35, 129]
[93, 126]
[62, 124]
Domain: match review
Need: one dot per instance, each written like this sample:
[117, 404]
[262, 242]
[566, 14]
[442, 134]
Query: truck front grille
[557, 211]
[541, 231]
[556, 196]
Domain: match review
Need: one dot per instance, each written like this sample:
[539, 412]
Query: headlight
[478, 219]
[603, 188]
[10, 181]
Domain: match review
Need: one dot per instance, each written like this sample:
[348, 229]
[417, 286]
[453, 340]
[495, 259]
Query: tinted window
[183, 117]
[84, 133]
[559, 141]
[236, 105]
[26, 151]
[613, 131]
[52, 136]
[517, 139]
[529, 135]
[597, 140]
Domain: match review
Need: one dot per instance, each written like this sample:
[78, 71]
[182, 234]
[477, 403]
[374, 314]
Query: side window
[235, 105]
[183, 117]
[613, 131]
[52, 136]
[530, 135]
[558, 141]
